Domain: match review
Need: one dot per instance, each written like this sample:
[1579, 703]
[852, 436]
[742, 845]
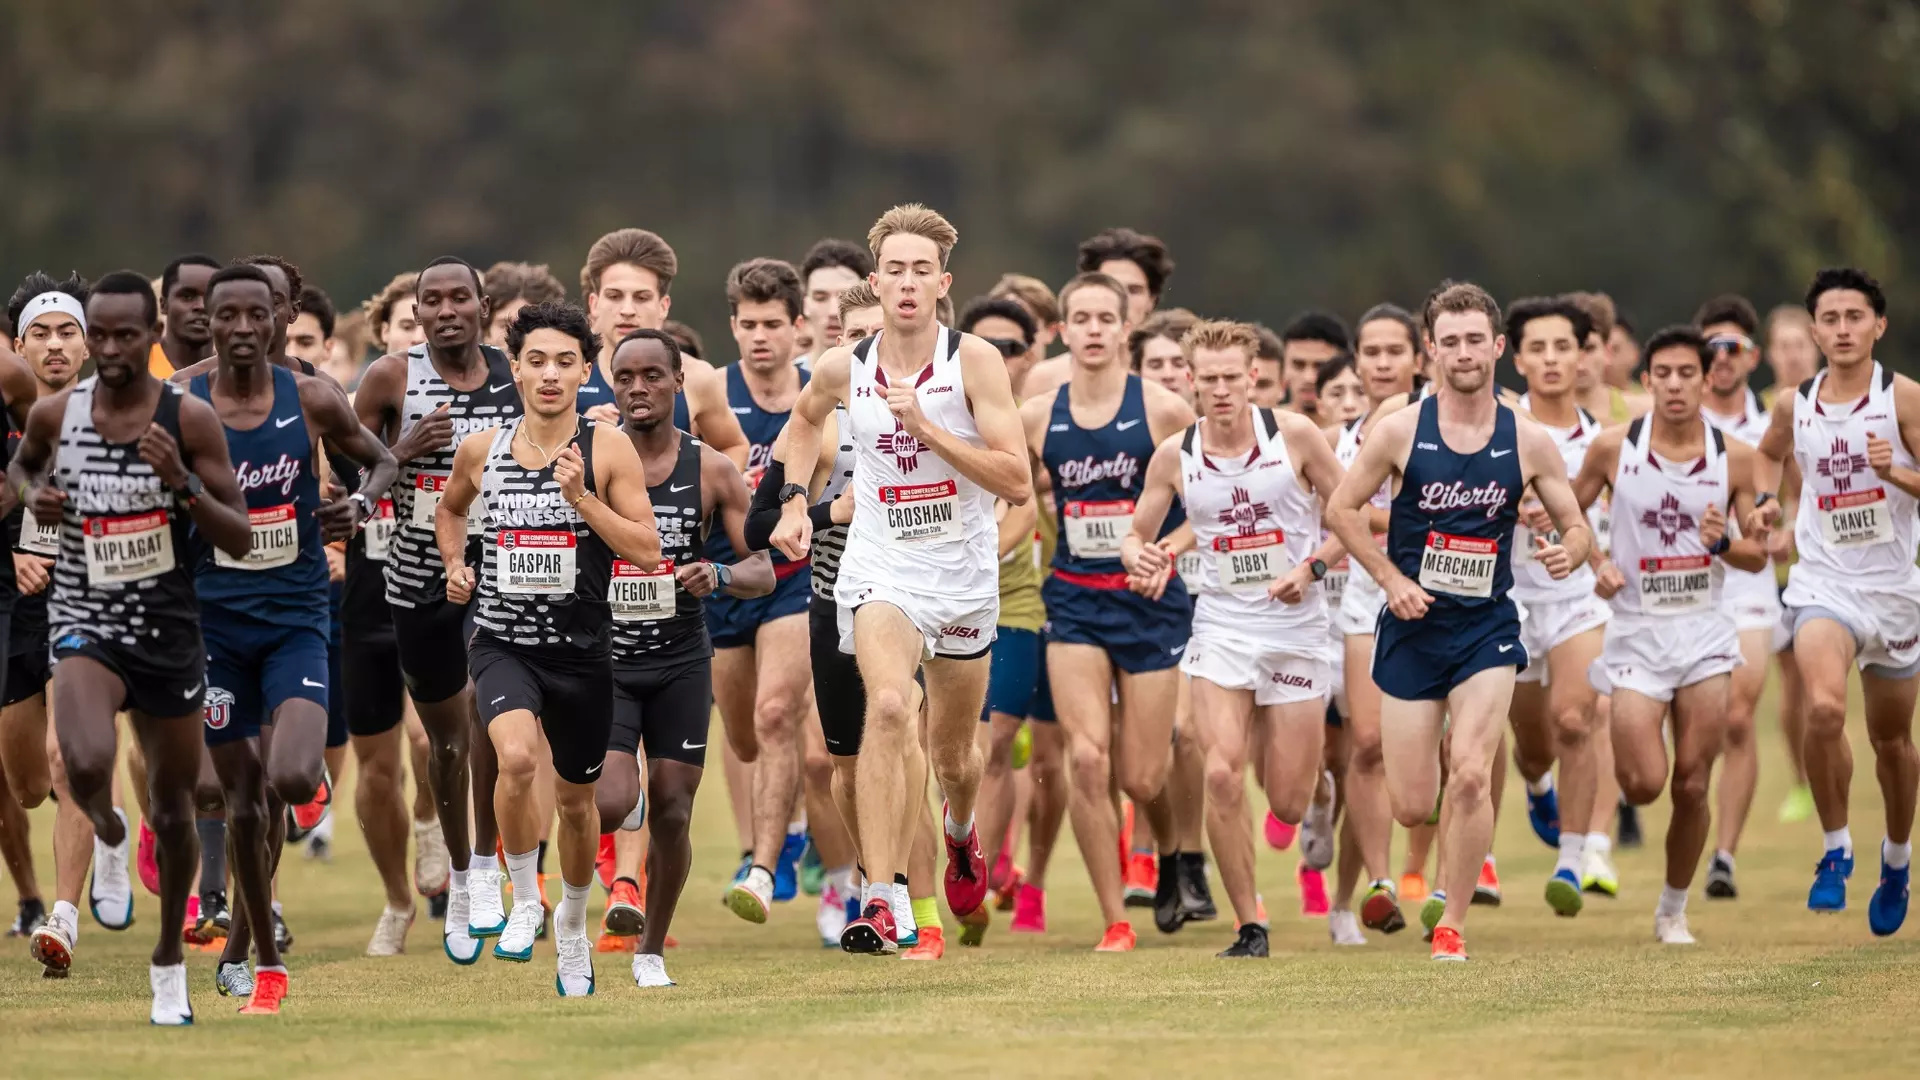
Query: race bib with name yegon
[1676, 586]
[637, 594]
[1458, 565]
[120, 550]
[917, 513]
[1249, 563]
[534, 562]
[379, 531]
[1855, 519]
[276, 540]
[1094, 529]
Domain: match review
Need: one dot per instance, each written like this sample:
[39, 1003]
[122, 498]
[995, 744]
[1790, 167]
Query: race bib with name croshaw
[919, 513]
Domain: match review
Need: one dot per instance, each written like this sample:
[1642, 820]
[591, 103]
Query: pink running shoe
[1313, 892]
[1279, 833]
[1029, 911]
[147, 858]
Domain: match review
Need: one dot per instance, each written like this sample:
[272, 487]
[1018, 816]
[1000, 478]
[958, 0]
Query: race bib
[1856, 519]
[276, 540]
[1188, 567]
[1523, 543]
[37, 538]
[1094, 529]
[126, 549]
[637, 594]
[1460, 565]
[378, 530]
[427, 489]
[1250, 563]
[534, 562]
[1335, 583]
[1601, 518]
[1676, 586]
[922, 512]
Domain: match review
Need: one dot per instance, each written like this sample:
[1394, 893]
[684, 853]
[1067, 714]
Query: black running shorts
[432, 642]
[160, 690]
[371, 687]
[837, 689]
[573, 697]
[667, 707]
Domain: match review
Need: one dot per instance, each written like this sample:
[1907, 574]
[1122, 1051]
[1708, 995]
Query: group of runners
[908, 553]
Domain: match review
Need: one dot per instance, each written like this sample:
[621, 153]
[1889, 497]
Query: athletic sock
[523, 871]
[1573, 849]
[1597, 842]
[68, 914]
[1382, 883]
[1672, 901]
[1725, 856]
[1841, 838]
[570, 918]
[457, 880]
[213, 853]
[278, 910]
[489, 861]
[841, 880]
[957, 831]
[926, 913]
[1896, 856]
[1542, 785]
[762, 876]
[878, 890]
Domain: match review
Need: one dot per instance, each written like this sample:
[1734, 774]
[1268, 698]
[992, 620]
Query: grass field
[1771, 990]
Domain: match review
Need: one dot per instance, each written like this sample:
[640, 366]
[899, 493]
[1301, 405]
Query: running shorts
[1015, 675]
[665, 707]
[254, 667]
[572, 696]
[1278, 672]
[162, 691]
[1424, 659]
[1549, 624]
[733, 622]
[1137, 634]
[432, 643]
[1654, 656]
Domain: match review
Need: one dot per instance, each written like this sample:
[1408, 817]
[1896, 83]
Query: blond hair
[379, 307]
[913, 219]
[855, 297]
[1219, 335]
[643, 249]
[1031, 293]
[1599, 309]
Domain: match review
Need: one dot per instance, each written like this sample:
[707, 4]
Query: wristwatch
[1762, 499]
[1319, 568]
[359, 499]
[723, 574]
[788, 491]
[1721, 545]
[188, 493]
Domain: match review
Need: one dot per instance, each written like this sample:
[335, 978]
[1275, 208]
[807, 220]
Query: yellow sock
[926, 913]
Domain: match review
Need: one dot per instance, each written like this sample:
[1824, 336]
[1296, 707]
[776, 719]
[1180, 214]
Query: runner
[511, 286]
[1139, 262]
[919, 589]
[310, 336]
[1794, 358]
[1672, 643]
[123, 617]
[266, 616]
[1033, 294]
[1091, 439]
[183, 300]
[1269, 389]
[831, 267]
[560, 497]
[1311, 339]
[1250, 478]
[1448, 647]
[1853, 599]
[421, 403]
[662, 656]
[1612, 402]
[393, 315]
[1562, 622]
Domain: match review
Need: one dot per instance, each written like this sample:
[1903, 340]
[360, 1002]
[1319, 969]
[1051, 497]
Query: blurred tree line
[1306, 153]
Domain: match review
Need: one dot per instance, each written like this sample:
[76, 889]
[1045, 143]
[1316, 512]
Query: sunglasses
[1009, 347]
[1729, 343]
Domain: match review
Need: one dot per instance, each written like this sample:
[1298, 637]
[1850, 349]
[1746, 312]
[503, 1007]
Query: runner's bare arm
[27, 480]
[1034, 412]
[707, 410]
[828, 387]
[1016, 524]
[344, 435]
[1001, 466]
[1140, 551]
[1316, 465]
[19, 385]
[1906, 409]
[1750, 551]
[753, 575]
[1347, 508]
[1776, 443]
[1596, 471]
[450, 518]
[1545, 472]
[221, 511]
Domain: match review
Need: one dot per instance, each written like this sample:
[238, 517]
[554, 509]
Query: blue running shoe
[1888, 908]
[786, 868]
[1543, 813]
[1563, 893]
[1829, 892]
[740, 875]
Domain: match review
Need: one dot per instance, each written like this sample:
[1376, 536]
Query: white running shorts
[1655, 655]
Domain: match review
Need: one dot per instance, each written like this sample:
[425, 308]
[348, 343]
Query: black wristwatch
[1762, 499]
[1721, 545]
[1319, 568]
[788, 491]
[188, 493]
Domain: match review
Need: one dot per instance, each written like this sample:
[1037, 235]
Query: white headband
[50, 303]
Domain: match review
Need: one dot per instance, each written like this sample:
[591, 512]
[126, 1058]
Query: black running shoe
[1720, 880]
[1169, 903]
[282, 936]
[215, 917]
[1630, 836]
[32, 914]
[1196, 897]
[437, 906]
[1252, 942]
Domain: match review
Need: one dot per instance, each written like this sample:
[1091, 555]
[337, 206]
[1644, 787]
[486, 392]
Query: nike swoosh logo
[498, 700]
[1500, 453]
[1177, 650]
[284, 422]
[685, 745]
[304, 681]
[593, 770]
[1124, 425]
[677, 488]
[1506, 648]
[497, 389]
[195, 689]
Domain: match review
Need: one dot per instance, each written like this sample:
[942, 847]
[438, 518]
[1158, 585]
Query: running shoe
[1431, 911]
[231, 978]
[390, 933]
[147, 859]
[171, 1006]
[1126, 833]
[1486, 891]
[1672, 929]
[1629, 835]
[603, 859]
[1196, 896]
[51, 944]
[1279, 833]
[486, 912]
[110, 896]
[1029, 911]
[906, 929]
[931, 946]
[1009, 887]
[216, 918]
[973, 928]
[873, 932]
[573, 976]
[320, 842]
[32, 914]
[1140, 877]
[461, 946]
[966, 879]
[1313, 891]
[1448, 946]
[1720, 884]
[190, 925]
[1543, 813]
[516, 940]
[1797, 806]
[813, 875]
[1316, 829]
[1596, 873]
[282, 933]
[786, 867]
[1251, 944]
[1002, 870]
[1344, 929]
[1118, 938]
[1888, 907]
[437, 906]
[1563, 893]
[831, 919]
[752, 896]
[625, 918]
[1413, 887]
[303, 819]
[269, 990]
[1169, 914]
[430, 858]
[1380, 910]
[650, 971]
[739, 875]
[614, 943]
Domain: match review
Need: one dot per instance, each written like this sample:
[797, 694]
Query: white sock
[324, 830]
[281, 968]
[1542, 785]
[1672, 901]
[1573, 848]
[841, 880]
[570, 918]
[878, 891]
[524, 871]
[278, 910]
[959, 831]
[1841, 838]
[1596, 841]
[457, 880]
[762, 876]
[1896, 856]
[1724, 856]
[797, 828]
[902, 905]
[489, 861]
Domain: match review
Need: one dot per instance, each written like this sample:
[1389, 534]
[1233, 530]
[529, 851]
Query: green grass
[1770, 990]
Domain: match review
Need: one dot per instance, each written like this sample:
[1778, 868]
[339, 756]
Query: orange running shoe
[610, 942]
[932, 945]
[624, 915]
[269, 990]
[1119, 938]
[1487, 889]
[1126, 831]
[1140, 878]
[1413, 887]
[308, 817]
[1008, 888]
[603, 861]
[1447, 945]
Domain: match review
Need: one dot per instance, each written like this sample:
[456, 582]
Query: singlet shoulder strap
[167, 412]
[1886, 376]
[864, 347]
[1640, 422]
[583, 433]
[1189, 441]
[1719, 440]
[1805, 389]
[953, 341]
[200, 386]
[1269, 425]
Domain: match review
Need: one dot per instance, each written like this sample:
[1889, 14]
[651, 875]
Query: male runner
[511, 286]
[1311, 339]
[183, 299]
[266, 616]
[662, 657]
[1793, 358]
[1251, 482]
[560, 498]
[393, 316]
[310, 335]
[1091, 439]
[1033, 294]
[1610, 401]
[1269, 389]
[831, 267]
[123, 617]
[1671, 643]
[936, 438]
[1140, 264]
[421, 403]
[1853, 599]
[1447, 646]
[1563, 624]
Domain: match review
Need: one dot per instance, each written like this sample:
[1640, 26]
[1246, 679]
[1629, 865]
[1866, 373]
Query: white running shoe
[523, 925]
[486, 912]
[905, 931]
[575, 975]
[1345, 928]
[170, 1005]
[650, 970]
[390, 933]
[462, 947]
[234, 980]
[111, 894]
[831, 919]
[1316, 831]
[1672, 929]
[52, 944]
[752, 896]
[430, 858]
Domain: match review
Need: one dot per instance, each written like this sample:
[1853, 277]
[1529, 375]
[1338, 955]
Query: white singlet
[1532, 585]
[1752, 596]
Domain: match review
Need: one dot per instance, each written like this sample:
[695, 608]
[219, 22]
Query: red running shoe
[966, 879]
[269, 990]
[1029, 911]
[603, 861]
[873, 933]
[308, 817]
[1139, 878]
[1313, 892]
[1118, 938]
[147, 857]
[932, 945]
[1447, 944]
[624, 915]
[1279, 833]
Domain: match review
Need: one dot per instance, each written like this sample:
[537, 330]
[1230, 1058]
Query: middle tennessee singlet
[544, 574]
[1451, 524]
[652, 615]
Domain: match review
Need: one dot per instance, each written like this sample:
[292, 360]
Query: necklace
[547, 455]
